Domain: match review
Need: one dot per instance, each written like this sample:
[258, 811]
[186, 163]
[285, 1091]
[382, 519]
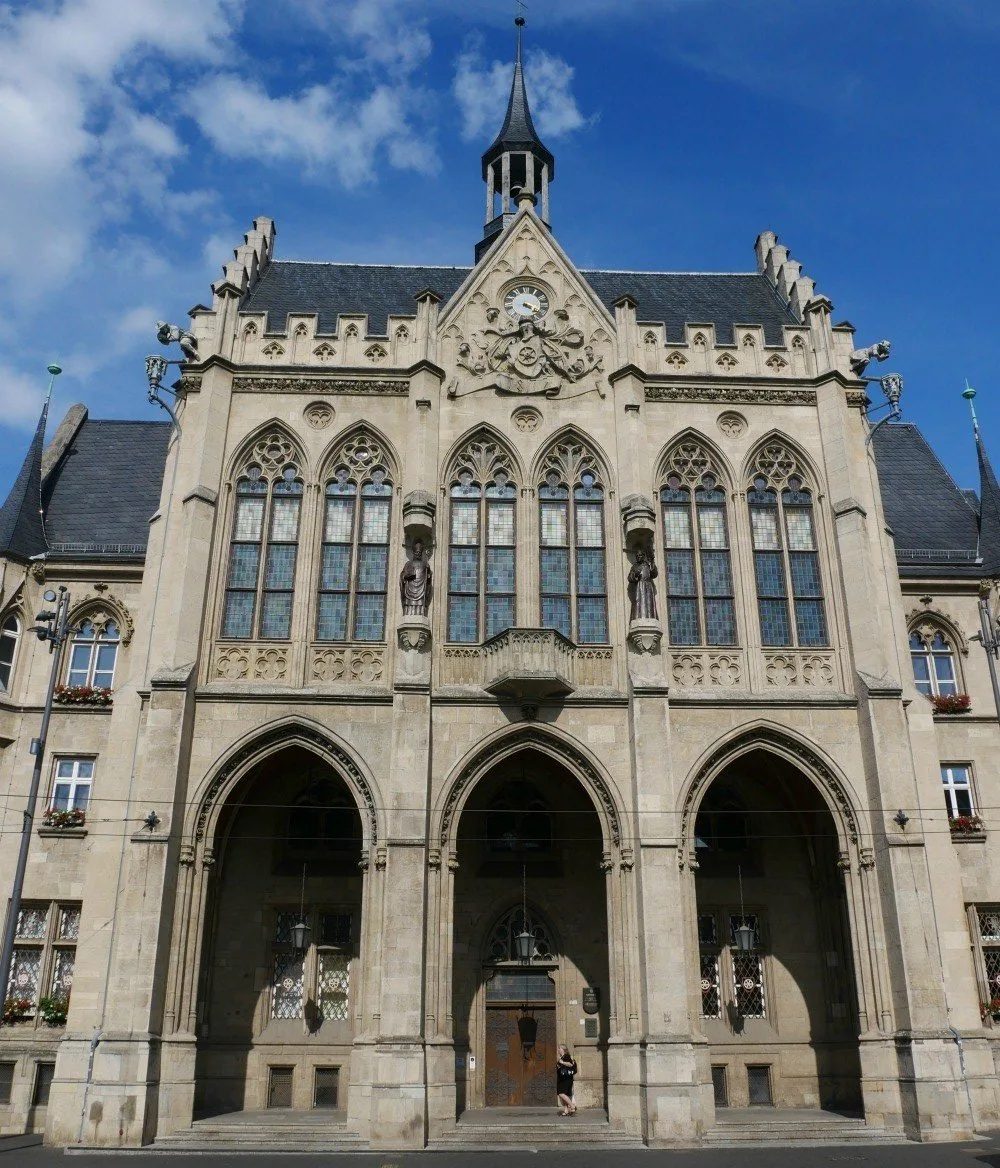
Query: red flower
[951, 703]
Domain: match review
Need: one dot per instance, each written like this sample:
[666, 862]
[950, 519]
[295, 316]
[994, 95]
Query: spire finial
[970, 396]
[519, 22]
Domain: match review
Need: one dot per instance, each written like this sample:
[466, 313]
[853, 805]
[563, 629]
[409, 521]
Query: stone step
[286, 1135]
[497, 1137]
[781, 1133]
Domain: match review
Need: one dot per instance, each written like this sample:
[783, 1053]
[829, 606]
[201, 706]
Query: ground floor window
[730, 974]
[41, 970]
[320, 973]
[984, 925]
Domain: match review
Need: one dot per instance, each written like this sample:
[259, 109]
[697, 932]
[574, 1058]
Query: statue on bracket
[415, 582]
[528, 359]
[642, 590]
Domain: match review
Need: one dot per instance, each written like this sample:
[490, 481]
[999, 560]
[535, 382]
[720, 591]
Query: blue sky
[141, 137]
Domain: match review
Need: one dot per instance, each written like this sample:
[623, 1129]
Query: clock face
[526, 302]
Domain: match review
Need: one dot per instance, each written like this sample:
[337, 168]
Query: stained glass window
[354, 561]
[933, 663]
[700, 603]
[10, 632]
[482, 567]
[93, 654]
[263, 555]
[786, 564]
[572, 558]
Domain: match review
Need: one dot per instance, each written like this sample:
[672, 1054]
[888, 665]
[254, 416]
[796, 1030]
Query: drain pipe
[965, 1078]
[86, 1087]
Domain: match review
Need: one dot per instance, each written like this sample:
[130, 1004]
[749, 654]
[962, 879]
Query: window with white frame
[44, 956]
[10, 634]
[956, 778]
[93, 654]
[71, 783]
[933, 657]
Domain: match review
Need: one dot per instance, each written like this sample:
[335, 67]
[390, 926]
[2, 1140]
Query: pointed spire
[989, 499]
[518, 131]
[22, 530]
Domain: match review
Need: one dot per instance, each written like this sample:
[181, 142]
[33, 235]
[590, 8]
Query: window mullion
[482, 558]
[353, 567]
[786, 559]
[264, 543]
[574, 594]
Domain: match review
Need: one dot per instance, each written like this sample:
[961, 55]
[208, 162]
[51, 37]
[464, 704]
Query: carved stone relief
[319, 415]
[732, 424]
[527, 419]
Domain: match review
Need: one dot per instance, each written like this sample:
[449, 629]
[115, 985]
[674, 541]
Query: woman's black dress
[564, 1078]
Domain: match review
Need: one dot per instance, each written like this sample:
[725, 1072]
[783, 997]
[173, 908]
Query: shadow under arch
[765, 736]
[242, 758]
[499, 747]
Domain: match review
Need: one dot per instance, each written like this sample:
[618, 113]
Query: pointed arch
[361, 448]
[496, 941]
[12, 629]
[102, 609]
[711, 459]
[558, 746]
[581, 452]
[233, 767]
[483, 449]
[831, 783]
[935, 643]
[271, 446]
[778, 458]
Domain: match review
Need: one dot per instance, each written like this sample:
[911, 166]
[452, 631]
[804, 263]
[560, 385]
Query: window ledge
[969, 837]
[62, 832]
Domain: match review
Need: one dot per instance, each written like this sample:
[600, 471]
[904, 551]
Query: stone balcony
[529, 665]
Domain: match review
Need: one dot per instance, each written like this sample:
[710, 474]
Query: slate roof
[670, 298]
[22, 533]
[935, 525]
[99, 497]
[518, 130]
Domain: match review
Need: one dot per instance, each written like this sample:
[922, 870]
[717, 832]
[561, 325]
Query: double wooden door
[520, 1056]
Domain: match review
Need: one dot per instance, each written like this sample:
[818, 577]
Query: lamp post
[52, 627]
[524, 942]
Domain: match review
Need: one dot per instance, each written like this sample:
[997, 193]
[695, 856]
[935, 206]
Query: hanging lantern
[744, 937]
[524, 946]
[300, 935]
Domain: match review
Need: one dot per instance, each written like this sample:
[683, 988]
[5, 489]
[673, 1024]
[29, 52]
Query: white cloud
[21, 397]
[482, 91]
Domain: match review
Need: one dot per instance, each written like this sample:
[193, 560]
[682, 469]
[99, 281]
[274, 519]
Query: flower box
[951, 703]
[53, 1010]
[990, 1009]
[64, 817]
[965, 825]
[82, 695]
[17, 1010]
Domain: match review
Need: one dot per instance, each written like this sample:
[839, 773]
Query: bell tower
[516, 162]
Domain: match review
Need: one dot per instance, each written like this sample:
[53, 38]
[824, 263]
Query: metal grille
[279, 1087]
[326, 1086]
[591, 1028]
[24, 973]
[44, 1074]
[748, 980]
[720, 1086]
[31, 921]
[989, 923]
[759, 1086]
[334, 980]
[991, 957]
[711, 998]
[62, 972]
[6, 1081]
[69, 923]
[288, 980]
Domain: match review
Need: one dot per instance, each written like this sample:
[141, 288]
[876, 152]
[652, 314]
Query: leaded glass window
[573, 583]
[10, 632]
[93, 654]
[321, 973]
[263, 554]
[482, 555]
[333, 982]
[44, 955]
[786, 554]
[701, 609]
[933, 658]
[354, 567]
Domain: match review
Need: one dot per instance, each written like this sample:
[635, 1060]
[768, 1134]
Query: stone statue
[861, 357]
[415, 582]
[167, 333]
[641, 587]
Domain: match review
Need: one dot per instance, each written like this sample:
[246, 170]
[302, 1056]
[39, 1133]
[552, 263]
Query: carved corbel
[381, 858]
[627, 860]
[644, 636]
[607, 862]
[419, 509]
[639, 520]
[434, 859]
[186, 856]
[414, 634]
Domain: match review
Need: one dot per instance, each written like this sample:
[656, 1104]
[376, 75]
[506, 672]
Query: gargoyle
[167, 333]
[861, 357]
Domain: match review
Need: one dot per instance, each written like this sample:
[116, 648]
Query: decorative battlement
[249, 262]
[774, 261]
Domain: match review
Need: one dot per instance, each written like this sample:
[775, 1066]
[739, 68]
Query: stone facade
[414, 794]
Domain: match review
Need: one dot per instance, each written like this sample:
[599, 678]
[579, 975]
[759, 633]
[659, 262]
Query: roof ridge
[354, 264]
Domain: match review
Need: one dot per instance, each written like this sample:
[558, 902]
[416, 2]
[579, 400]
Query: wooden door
[519, 1072]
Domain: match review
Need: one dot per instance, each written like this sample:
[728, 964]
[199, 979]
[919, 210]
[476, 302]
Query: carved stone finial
[415, 582]
[167, 334]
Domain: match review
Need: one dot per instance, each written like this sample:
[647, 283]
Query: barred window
[321, 973]
[482, 556]
[263, 554]
[573, 581]
[44, 958]
[786, 554]
[354, 570]
[93, 654]
[711, 986]
[727, 973]
[10, 634]
[933, 659]
[985, 925]
[701, 608]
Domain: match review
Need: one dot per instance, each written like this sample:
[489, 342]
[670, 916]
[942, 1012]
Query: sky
[141, 137]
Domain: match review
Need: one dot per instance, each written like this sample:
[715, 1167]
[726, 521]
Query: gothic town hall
[489, 658]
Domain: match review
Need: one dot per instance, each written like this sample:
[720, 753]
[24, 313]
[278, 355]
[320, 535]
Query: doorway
[520, 1039]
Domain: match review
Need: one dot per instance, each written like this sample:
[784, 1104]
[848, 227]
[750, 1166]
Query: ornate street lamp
[524, 942]
[743, 932]
[300, 931]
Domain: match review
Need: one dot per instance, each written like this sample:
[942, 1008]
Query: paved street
[985, 1152]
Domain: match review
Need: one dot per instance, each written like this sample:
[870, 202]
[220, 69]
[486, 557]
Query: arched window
[354, 571]
[482, 590]
[323, 819]
[700, 606]
[264, 547]
[518, 820]
[933, 658]
[502, 943]
[93, 655]
[10, 634]
[786, 553]
[573, 580]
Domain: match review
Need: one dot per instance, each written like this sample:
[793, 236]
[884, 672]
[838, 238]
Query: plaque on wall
[590, 1028]
[591, 999]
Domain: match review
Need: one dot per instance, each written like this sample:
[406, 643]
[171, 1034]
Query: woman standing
[565, 1071]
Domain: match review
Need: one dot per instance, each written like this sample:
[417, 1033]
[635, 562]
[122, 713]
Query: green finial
[54, 369]
[968, 393]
